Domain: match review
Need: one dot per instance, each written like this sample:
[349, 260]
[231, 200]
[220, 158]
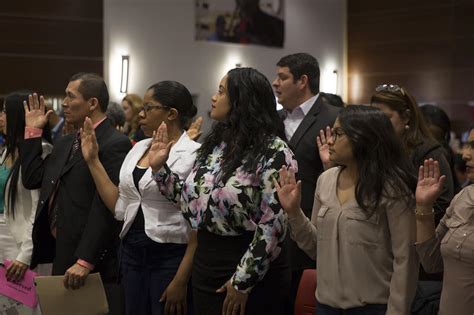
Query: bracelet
[421, 214]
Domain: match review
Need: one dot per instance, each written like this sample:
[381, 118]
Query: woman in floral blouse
[240, 265]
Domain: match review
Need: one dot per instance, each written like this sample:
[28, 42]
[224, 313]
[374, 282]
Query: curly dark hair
[252, 122]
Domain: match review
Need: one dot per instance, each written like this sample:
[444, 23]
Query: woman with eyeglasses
[157, 242]
[18, 204]
[449, 246]
[241, 263]
[362, 228]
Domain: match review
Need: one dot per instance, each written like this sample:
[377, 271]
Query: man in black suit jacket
[73, 228]
[304, 115]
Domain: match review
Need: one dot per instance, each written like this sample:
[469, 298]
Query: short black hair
[92, 85]
[300, 64]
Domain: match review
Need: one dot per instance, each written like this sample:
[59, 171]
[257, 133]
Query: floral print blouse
[246, 202]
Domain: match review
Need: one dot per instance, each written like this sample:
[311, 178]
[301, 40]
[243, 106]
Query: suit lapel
[99, 131]
[307, 122]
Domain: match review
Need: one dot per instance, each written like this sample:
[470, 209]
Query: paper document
[55, 299]
[23, 291]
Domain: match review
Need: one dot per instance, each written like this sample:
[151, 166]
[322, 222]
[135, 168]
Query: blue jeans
[370, 309]
[147, 267]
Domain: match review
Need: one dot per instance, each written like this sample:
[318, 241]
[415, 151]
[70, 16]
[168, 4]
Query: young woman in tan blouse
[450, 246]
[363, 220]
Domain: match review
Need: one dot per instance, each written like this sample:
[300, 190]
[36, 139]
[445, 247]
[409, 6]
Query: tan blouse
[360, 261]
[453, 247]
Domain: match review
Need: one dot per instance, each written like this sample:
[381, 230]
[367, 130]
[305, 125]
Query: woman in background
[132, 105]
[407, 120]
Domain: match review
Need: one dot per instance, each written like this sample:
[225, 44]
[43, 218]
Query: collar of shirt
[99, 122]
[303, 109]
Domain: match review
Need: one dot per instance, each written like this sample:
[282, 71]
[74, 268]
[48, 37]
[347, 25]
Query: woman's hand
[35, 115]
[429, 186]
[235, 301]
[16, 271]
[323, 147]
[194, 131]
[175, 297]
[289, 191]
[89, 146]
[160, 148]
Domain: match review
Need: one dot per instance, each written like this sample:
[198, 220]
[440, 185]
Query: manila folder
[55, 299]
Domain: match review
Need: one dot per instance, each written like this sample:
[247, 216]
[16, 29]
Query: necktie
[53, 205]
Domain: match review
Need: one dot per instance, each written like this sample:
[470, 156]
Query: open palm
[160, 148]
[35, 115]
[323, 146]
[288, 190]
[89, 146]
[194, 131]
[430, 183]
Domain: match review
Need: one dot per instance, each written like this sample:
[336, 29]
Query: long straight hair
[15, 114]
[384, 171]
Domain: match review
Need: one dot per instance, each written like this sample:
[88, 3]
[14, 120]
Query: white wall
[158, 35]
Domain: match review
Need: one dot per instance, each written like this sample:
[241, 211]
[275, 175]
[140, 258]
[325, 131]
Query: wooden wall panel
[42, 43]
[426, 46]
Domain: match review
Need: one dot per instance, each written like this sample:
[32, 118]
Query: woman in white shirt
[157, 243]
[19, 210]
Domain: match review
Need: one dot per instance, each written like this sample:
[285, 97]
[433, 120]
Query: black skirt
[215, 261]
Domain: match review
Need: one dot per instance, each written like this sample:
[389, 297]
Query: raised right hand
[289, 191]
[89, 146]
[160, 148]
[323, 147]
[430, 184]
[35, 115]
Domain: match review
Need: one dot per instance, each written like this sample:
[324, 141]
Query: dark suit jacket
[85, 228]
[303, 144]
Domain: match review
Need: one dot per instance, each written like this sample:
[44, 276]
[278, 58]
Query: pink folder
[23, 291]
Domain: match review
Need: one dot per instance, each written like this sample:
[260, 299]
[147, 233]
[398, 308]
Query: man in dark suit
[304, 114]
[73, 228]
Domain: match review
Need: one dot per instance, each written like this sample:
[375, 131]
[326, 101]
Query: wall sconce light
[335, 81]
[124, 77]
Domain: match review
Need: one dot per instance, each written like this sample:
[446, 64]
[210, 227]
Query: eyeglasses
[337, 132]
[469, 145]
[148, 107]
[393, 88]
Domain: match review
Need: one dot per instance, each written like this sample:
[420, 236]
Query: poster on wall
[257, 22]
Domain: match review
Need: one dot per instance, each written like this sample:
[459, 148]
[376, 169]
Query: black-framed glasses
[337, 133]
[390, 88]
[148, 107]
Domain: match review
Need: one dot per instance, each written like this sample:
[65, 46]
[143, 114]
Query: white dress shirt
[295, 117]
[164, 222]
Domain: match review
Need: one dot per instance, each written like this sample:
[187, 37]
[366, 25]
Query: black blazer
[85, 228]
[303, 144]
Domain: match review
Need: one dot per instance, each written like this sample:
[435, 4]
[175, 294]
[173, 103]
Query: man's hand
[75, 277]
[35, 115]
